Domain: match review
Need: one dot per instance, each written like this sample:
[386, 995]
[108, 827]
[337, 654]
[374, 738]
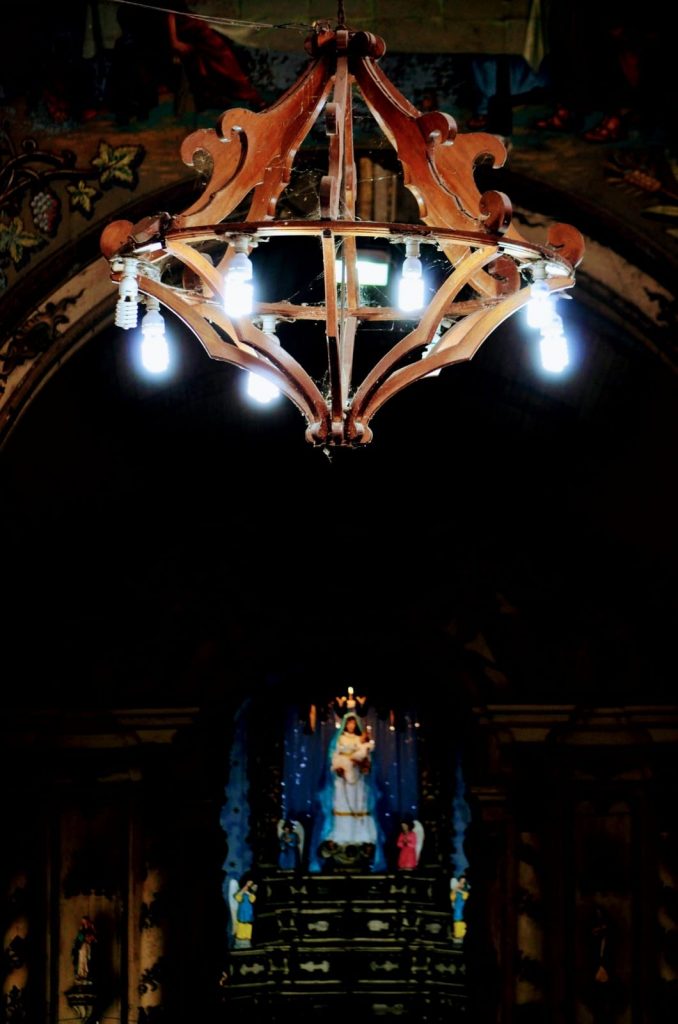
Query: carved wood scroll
[253, 154]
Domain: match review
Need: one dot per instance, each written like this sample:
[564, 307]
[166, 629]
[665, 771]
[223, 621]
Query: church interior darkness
[188, 587]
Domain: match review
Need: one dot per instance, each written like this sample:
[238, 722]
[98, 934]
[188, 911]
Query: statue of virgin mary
[348, 798]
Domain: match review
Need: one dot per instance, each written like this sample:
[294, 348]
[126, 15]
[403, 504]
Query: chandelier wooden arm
[463, 341]
[278, 367]
[490, 263]
[255, 150]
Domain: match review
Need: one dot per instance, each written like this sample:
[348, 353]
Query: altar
[341, 907]
[382, 944]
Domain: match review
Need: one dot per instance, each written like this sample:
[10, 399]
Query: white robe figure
[352, 821]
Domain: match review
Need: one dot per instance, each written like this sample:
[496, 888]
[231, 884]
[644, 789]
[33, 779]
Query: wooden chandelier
[170, 257]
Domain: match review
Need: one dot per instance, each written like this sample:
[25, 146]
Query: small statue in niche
[605, 993]
[83, 950]
[599, 931]
[83, 996]
[242, 899]
[291, 843]
[409, 843]
[459, 891]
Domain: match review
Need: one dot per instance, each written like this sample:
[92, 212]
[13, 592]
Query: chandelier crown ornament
[198, 263]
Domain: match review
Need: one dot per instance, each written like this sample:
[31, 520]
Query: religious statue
[459, 890]
[83, 948]
[291, 843]
[242, 899]
[349, 833]
[409, 842]
[350, 762]
[84, 995]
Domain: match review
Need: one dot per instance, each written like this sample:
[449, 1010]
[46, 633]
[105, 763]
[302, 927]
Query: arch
[622, 280]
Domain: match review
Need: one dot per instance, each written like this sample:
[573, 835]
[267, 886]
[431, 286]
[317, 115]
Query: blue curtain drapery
[306, 773]
[235, 813]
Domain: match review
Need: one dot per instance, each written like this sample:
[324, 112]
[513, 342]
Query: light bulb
[238, 287]
[540, 305]
[553, 346]
[155, 356]
[261, 389]
[128, 296]
[411, 284]
[410, 294]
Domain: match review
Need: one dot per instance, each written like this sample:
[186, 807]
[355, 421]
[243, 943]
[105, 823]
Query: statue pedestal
[83, 997]
[381, 943]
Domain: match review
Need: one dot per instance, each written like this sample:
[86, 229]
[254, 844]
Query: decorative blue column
[235, 814]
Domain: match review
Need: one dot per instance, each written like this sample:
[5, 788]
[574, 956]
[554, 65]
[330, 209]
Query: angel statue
[409, 843]
[241, 899]
[459, 890]
[291, 841]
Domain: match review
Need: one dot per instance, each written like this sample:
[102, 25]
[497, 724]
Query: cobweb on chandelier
[199, 264]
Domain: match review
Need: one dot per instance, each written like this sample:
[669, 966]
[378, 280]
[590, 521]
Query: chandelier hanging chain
[341, 14]
[253, 153]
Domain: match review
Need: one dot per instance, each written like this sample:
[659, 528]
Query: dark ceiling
[164, 542]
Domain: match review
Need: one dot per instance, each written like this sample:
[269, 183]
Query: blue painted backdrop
[394, 764]
[235, 814]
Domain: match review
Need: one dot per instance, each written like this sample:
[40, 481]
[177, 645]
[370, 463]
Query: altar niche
[350, 780]
[350, 828]
[315, 790]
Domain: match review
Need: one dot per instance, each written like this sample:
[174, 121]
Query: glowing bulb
[155, 356]
[260, 389]
[411, 285]
[351, 691]
[553, 346]
[238, 287]
[540, 306]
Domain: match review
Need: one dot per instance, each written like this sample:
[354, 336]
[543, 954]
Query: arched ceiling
[165, 542]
